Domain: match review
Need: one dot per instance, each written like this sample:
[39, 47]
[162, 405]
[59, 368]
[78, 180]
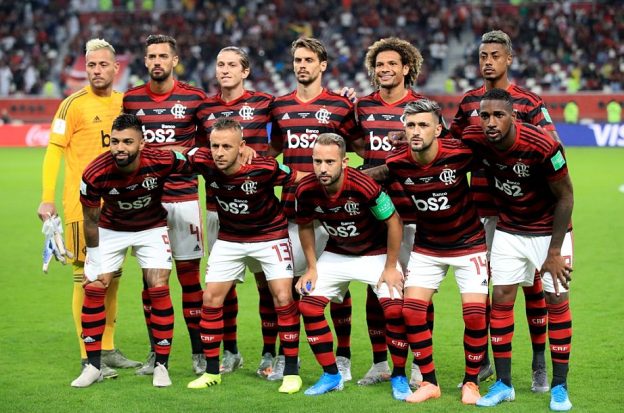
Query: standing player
[169, 112]
[364, 241]
[251, 110]
[130, 181]
[433, 175]
[393, 66]
[253, 229]
[528, 175]
[298, 119]
[495, 58]
[80, 132]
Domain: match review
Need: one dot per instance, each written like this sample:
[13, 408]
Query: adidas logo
[370, 118]
[88, 339]
[140, 113]
[197, 248]
[285, 117]
[113, 191]
[409, 181]
[484, 282]
[289, 267]
[319, 210]
[214, 185]
[97, 119]
[474, 113]
[164, 342]
[211, 117]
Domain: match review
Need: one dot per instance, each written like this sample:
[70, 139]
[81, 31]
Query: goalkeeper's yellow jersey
[82, 127]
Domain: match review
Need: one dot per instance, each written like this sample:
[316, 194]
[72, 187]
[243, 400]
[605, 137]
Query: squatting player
[364, 240]
[528, 175]
[130, 180]
[252, 230]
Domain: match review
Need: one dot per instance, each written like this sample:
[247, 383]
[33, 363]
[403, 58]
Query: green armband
[179, 156]
[384, 208]
[284, 168]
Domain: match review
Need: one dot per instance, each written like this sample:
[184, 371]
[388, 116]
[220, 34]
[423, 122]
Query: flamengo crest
[352, 208]
[323, 115]
[249, 187]
[149, 183]
[521, 170]
[178, 110]
[447, 176]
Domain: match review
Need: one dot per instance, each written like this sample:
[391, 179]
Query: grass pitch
[39, 352]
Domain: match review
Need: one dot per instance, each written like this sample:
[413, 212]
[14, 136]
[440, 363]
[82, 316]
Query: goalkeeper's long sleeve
[51, 167]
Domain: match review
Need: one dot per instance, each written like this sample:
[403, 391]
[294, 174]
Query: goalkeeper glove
[53, 244]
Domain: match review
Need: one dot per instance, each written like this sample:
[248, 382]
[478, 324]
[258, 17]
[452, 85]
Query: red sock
[537, 315]
[396, 338]
[376, 326]
[560, 339]
[475, 338]
[341, 318]
[419, 336]
[93, 322]
[268, 319]
[230, 312]
[319, 334]
[162, 322]
[211, 326]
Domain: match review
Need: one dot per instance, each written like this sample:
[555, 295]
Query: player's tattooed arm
[554, 263]
[379, 173]
[91, 219]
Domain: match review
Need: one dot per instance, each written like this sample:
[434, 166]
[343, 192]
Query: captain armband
[383, 208]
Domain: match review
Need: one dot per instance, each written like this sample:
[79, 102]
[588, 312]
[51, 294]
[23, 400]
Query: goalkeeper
[80, 132]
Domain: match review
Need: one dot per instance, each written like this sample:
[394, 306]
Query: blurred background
[569, 52]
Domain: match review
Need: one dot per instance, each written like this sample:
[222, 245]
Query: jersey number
[283, 251]
[480, 264]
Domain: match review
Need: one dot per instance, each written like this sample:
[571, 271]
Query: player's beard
[331, 181]
[161, 77]
[131, 157]
[423, 148]
[307, 81]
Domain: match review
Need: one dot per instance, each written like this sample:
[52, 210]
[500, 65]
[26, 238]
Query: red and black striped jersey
[377, 118]
[347, 215]
[169, 119]
[132, 202]
[519, 177]
[446, 219]
[529, 108]
[247, 206]
[297, 124]
[251, 110]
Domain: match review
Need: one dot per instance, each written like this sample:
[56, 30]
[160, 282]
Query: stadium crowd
[578, 44]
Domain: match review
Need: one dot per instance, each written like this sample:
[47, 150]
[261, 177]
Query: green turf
[39, 353]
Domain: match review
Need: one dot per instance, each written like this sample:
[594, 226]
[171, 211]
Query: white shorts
[489, 225]
[212, 231]
[428, 271]
[407, 244]
[320, 235]
[336, 271]
[515, 258]
[212, 228]
[227, 260]
[151, 247]
[185, 229]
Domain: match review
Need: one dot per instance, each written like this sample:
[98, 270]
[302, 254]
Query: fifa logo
[521, 170]
[352, 208]
[249, 187]
[246, 112]
[447, 176]
[178, 111]
[322, 115]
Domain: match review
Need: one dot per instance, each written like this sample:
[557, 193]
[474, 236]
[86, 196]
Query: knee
[504, 293]
[553, 299]
[210, 299]
[282, 298]
[393, 311]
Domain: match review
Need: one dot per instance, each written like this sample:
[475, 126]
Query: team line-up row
[334, 224]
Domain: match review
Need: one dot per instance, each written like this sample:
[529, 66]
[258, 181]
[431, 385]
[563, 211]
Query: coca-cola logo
[38, 135]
